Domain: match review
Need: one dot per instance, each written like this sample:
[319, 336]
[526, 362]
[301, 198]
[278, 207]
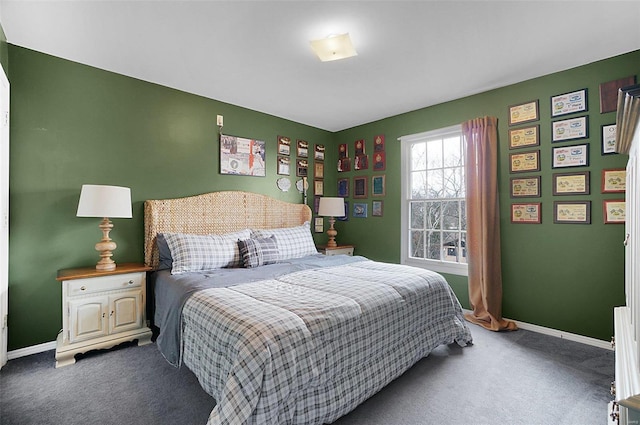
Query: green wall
[561, 276]
[72, 124]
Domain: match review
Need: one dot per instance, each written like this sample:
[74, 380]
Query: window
[434, 225]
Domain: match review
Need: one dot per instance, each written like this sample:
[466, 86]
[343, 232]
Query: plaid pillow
[293, 242]
[192, 253]
[258, 252]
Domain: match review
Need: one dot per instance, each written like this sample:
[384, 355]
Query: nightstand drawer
[337, 250]
[104, 283]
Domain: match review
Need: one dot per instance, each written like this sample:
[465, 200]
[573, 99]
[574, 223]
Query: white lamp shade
[334, 47]
[331, 207]
[104, 201]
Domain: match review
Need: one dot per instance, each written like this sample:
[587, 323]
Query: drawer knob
[131, 282]
[82, 288]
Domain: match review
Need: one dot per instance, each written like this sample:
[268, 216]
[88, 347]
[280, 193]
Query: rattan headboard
[216, 212]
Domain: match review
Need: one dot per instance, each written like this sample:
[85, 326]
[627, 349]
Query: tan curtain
[627, 117]
[483, 224]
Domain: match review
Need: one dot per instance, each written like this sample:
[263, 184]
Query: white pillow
[192, 253]
[293, 242]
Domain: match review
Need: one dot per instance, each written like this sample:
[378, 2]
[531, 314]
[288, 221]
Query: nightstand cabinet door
[87, 318]
[125, 311]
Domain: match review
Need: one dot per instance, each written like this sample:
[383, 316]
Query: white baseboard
[561, 334]
[34, 349]
[46, 346]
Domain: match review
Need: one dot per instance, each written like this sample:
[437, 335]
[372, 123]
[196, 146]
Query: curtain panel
[483, 224]
[627, 117]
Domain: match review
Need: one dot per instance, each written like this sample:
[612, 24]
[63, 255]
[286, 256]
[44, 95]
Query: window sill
[438, 266]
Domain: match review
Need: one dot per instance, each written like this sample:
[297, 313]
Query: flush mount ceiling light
[333, 47]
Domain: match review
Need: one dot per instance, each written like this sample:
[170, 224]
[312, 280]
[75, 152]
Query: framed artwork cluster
[570, 154]
[366, 185]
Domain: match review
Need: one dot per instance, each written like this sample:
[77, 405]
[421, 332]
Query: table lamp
[106, 202]
[332, 208]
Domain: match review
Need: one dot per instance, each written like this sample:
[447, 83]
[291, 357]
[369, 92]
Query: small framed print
[608, 139]
[302, 167]
[344, 164]
[609, 93]
[318, 187]
[343, 188]
[568, 103]
[524, 162]
[318, 153]
[570, 129]
[571, 183]
[376, 208]
[303, 149]
[360, 146]
[571, 156]
[379, 161]
[526, 213]
[377, 186]
[572, 212]
[343, 151]
[318, 225]
[614, 180]
[284, 145]
[346, 212]
[525, 187]
[378, 143]
[614, 211]
[523, 112]
[284, 165]
[359, 187]
[360, 210]
[316, 204]
[318, 170]
[361, 162]
[524, 137]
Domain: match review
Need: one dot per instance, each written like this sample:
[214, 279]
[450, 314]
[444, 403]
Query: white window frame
[440, 266]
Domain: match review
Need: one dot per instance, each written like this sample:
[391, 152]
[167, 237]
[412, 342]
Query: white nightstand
[337, 250]
[101, 309]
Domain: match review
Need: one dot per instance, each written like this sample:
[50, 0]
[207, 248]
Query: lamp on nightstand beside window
[106, 202]
[332, 208]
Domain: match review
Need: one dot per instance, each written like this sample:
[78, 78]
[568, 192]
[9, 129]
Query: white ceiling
[257, 54]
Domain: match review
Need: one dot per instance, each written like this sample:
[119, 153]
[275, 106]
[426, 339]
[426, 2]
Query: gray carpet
[504, 378]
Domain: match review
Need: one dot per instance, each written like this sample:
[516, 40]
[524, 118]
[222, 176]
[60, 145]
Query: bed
[275, 332]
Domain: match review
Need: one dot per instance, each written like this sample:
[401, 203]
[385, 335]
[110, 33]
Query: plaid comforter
[309, 346]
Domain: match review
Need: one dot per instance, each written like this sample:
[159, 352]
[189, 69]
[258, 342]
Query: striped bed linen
[307, 347]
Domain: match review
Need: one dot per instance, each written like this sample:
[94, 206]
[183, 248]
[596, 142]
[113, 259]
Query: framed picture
[568, 103]
[361, 162]
[284, 145]
[571, 156]
[378, 143]
[571, 183]
[316, 204]
[572, 212]
[346, 211]
[570, 129]
[303, 149]
[614, 180]
[359, 187]
[302, 167]
[526, 213]
[525, 187]
[242, 157]
[318, 187]
[377, 186]
[284, 165]
[524, 137]
[318, 154]
[344, 164]
[360, 146]
[608, 133]
[379, 161]
[343, 151]
[318, 225]
[524, 162]
[376, 208]
[609, 93]
[318, 170]
[343, 187]
[523, 112]
[360, 209]
[614, 211]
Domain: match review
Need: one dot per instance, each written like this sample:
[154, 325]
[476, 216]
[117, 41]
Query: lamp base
[105, 246]
[332, 233]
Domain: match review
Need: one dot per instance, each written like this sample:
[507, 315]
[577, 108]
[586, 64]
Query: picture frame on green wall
[572, 212]
[524, 162]
[614, 211]
[524, 112]
[526, 213]
[570, 129]
[571, 183]
[524, 137]
[571, 156]
[608, 133]
[525, 187]
[569, 103]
